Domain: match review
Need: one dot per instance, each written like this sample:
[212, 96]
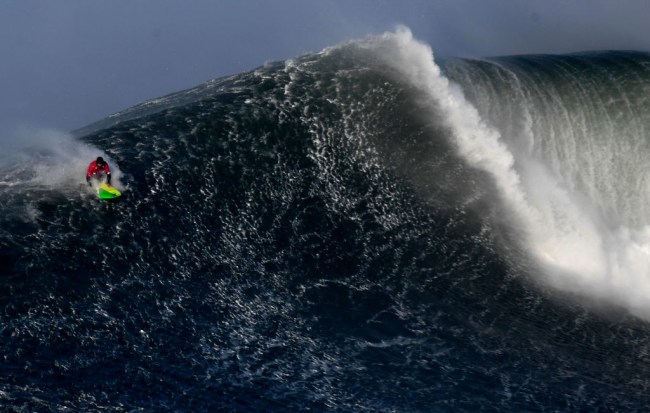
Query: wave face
[356, 230]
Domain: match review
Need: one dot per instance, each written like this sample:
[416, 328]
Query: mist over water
[48, 159]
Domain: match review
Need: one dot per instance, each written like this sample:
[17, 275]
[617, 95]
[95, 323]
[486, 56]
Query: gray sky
[67, 63]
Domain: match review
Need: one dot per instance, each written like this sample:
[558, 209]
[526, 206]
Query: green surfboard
[108, 192]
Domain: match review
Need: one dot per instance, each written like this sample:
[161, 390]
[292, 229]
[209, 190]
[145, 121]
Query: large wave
[350, 230]
[576, 128]
[564, 141]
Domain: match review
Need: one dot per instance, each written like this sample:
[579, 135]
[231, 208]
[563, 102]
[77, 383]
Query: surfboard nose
[108, 192]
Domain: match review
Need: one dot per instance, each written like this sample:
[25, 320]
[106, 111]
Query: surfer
[98, 168]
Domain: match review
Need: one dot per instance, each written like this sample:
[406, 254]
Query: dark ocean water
[357, 230]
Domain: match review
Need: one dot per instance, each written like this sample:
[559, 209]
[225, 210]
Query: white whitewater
[585, 241]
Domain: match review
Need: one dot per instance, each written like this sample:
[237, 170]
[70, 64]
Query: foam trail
[568, 238]
[47, 158]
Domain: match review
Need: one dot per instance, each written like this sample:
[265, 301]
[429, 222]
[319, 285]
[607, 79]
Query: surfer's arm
[107, 170]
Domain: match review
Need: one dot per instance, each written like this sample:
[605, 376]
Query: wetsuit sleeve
[89, 172]
[90, 169]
